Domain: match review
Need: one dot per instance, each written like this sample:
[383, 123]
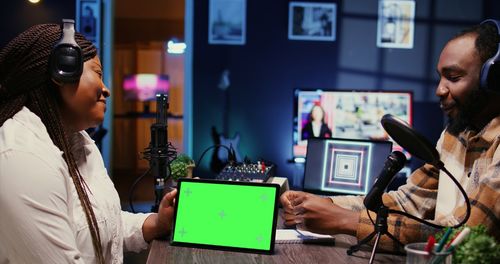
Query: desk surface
[162, 252]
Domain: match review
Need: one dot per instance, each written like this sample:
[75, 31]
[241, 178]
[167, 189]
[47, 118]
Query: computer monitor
[346, 114]
[343, 166]
[145, 86]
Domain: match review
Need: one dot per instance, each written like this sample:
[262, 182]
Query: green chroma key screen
[226, 215]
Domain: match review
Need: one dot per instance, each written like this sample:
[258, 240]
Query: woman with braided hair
[58, 204]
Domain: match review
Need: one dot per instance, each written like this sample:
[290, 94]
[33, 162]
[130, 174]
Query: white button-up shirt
[41, 217]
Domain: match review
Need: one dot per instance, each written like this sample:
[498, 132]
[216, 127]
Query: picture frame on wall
[396, 23]
[312, 21]
[227, 22]
[88, 20]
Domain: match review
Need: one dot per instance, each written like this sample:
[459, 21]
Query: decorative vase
[190, 169]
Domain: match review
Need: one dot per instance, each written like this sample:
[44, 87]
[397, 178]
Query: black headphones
[490, 72]
[66, 61]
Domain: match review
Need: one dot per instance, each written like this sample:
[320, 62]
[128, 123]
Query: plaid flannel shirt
[474, 160]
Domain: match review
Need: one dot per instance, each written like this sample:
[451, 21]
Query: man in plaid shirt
[469, 148]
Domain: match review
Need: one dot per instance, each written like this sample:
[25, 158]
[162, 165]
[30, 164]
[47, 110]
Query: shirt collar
[79, 141]
[489, 132]
[33, 123]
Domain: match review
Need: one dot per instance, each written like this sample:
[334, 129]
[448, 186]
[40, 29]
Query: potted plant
[181, 167]
[477, 248]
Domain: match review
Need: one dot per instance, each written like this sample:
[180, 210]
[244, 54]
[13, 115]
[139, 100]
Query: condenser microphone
[158, 149]
[394, 163]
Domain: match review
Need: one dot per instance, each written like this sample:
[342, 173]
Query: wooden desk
[162, 252]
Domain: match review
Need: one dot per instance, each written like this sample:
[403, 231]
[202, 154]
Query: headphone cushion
[66, 64]
[493, 76]
[490, 71]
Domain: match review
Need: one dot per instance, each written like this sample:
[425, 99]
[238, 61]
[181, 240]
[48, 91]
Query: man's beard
[467, 112]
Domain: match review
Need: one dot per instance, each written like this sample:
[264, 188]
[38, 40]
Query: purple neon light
[145, 86]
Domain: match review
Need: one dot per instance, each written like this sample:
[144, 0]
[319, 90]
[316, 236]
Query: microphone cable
[132, 188]
[171, 155]
[211, 147]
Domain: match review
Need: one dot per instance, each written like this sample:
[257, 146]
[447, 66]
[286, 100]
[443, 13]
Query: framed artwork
[88, 20]
[227, 22]
[396, 22]
[312, 21]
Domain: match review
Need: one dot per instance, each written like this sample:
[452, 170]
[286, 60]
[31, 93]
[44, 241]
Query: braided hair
[25, 81]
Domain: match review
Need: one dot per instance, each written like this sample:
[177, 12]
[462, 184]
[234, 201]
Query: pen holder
[416, 254]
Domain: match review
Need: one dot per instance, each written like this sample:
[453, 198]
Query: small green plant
[477, 248]
[180, 166]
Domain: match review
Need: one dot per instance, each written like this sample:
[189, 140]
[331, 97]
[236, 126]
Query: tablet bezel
[228, 248]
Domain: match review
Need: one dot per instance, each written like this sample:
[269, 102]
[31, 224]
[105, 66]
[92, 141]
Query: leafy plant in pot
[181, 167]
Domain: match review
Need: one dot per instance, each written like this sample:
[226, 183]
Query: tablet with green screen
[226, 215]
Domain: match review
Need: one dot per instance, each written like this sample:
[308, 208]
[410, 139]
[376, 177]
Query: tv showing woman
[316, 126]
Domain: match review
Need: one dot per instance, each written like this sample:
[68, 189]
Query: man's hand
[317, 214]
[286, 201]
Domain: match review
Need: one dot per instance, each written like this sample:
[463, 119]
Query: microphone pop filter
[409, 139]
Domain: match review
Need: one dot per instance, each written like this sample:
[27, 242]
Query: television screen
[345, 114]
[145, 86]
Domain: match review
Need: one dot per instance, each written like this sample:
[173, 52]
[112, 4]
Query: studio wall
[266, 70]
[17, 16]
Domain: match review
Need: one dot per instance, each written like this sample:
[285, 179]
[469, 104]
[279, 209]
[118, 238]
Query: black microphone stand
[157, 152]
[380, 230]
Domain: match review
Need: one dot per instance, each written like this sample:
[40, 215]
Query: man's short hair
[487, 39]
